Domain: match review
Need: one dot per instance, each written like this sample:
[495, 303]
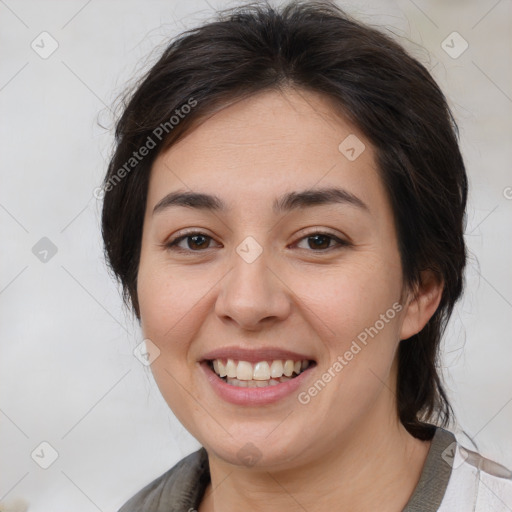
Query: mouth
[259, 374]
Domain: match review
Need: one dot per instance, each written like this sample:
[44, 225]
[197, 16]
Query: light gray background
[69, 376]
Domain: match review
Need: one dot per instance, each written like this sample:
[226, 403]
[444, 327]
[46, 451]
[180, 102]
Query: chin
[262, 452]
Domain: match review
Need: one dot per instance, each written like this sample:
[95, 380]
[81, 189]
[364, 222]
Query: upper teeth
[262, 370]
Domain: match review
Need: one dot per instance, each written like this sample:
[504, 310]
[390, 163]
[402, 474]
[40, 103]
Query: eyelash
[173, 244]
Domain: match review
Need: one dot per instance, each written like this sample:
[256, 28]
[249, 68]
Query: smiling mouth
[258, 375]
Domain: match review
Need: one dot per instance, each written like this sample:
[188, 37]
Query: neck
[376, 466]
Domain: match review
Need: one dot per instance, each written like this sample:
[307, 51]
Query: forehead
[258, 148]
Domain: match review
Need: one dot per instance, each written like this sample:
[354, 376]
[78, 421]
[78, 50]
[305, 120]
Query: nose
[252, 295]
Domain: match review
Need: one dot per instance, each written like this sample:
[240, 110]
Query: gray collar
[429, 492]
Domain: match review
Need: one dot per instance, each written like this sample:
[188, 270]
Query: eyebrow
[285, 203]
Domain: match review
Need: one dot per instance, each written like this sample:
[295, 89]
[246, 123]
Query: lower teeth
[255, 383]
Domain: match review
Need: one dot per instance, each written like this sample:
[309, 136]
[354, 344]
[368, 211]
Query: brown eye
[195, 242]
[198, 241]
[319, 242]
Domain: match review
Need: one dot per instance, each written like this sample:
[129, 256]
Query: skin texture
[345, 449]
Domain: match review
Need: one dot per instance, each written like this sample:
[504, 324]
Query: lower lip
[253, 396]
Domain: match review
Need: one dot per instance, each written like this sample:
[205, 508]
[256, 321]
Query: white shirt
[476, 484]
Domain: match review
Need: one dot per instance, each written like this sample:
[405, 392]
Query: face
[294, 257]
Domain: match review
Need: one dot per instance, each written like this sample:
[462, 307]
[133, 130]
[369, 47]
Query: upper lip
[254, 355]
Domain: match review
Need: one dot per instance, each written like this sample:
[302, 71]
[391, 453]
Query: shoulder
[476, 483]
[179, 488]
[455, 479]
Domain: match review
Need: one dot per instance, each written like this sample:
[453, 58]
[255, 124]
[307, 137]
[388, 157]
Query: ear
[421, 304]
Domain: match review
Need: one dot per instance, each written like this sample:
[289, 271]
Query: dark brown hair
[372, 80]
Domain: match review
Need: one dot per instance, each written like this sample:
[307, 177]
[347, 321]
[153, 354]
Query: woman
[285, 211]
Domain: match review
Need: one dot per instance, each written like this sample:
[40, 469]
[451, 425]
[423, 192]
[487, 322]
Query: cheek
[171, 309]
[344, 301]
[356, 314]
[174, 306]
[157, 303]
[167, 297]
